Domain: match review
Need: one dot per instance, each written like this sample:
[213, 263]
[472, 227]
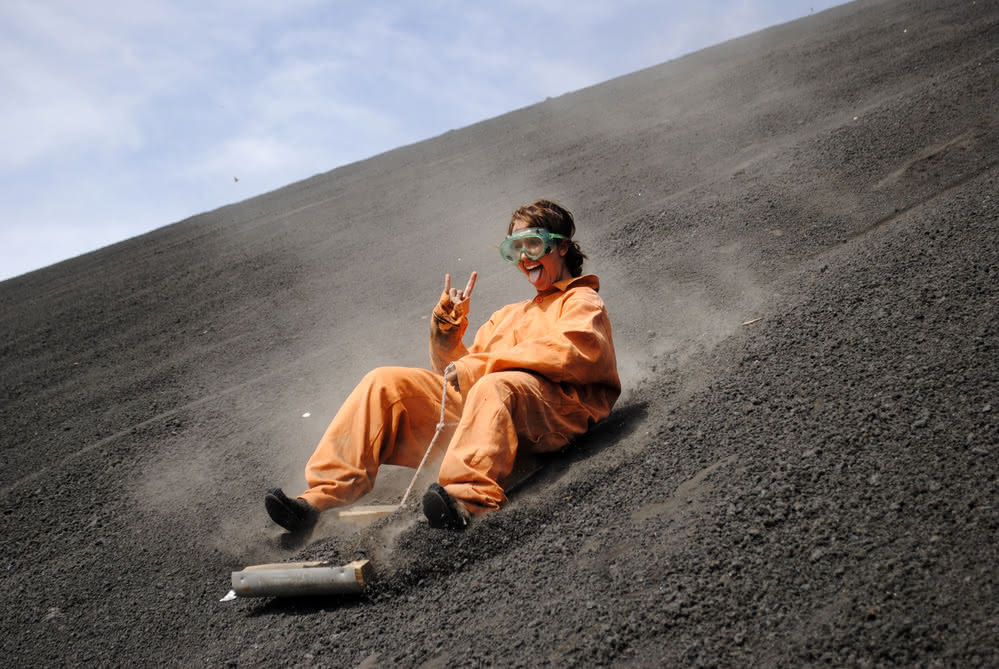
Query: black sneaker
[444, 511]
[295, 515]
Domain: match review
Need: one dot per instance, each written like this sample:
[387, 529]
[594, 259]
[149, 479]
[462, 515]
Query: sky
[121, 117]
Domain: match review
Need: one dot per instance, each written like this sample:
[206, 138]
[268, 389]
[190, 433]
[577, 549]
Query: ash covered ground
[816, 487]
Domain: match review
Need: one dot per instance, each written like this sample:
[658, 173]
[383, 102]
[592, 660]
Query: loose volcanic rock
[795, 233]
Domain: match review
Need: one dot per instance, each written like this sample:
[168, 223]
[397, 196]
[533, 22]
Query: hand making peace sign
[460, 298]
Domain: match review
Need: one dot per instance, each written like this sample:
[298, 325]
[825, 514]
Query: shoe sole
[284, 515]
[435, 509]
[440, 515]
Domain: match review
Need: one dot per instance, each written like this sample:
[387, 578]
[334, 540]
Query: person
[539, 373]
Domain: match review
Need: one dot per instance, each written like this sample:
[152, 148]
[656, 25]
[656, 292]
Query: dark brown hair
[555, 218]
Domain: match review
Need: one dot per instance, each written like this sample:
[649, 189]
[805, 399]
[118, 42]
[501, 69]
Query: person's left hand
[451, 376]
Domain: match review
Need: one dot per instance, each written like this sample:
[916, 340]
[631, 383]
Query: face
[549, 268]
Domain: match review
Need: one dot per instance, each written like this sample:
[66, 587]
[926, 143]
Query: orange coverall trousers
[391, 417]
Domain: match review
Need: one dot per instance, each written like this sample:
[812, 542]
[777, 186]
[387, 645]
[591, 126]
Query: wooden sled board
[367, 513]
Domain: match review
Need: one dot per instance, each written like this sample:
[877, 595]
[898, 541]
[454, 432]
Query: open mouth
[533, 273]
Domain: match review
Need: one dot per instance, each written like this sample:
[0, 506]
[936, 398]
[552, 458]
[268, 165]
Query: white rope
[440, 427]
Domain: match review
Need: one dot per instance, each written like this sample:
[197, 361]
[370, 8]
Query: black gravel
[797, 237]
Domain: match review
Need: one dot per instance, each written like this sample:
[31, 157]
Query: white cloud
[49, 108]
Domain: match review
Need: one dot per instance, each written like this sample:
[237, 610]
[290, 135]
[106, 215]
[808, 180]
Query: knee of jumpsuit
[398, 412]
[387, 418]
[499, 409]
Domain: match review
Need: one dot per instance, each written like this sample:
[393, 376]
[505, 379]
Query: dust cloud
[668, 323]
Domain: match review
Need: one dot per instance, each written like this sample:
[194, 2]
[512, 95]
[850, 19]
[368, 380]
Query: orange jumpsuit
[539, 373]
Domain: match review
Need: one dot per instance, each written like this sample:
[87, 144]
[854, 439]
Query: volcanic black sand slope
[796, 233]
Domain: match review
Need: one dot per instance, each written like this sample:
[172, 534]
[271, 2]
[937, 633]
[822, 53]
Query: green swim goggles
[532, 242]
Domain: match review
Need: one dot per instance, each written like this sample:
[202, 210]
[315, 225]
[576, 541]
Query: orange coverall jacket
[563, 335]
[539, 373]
